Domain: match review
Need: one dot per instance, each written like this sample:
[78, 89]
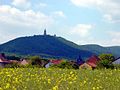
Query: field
[59, 79]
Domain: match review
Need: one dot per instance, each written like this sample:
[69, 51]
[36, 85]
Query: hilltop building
[45, 33]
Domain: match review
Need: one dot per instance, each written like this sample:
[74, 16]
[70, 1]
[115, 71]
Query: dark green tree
[36, 60]
[106, 61]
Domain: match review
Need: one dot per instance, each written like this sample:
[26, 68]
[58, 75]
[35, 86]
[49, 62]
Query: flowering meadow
[59, 79]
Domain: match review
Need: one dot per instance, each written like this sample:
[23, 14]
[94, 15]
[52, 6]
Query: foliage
[36, 60]
[117, 66]
[47, 45]
[106, 61]
[66, 65]
[58, 79]
[13, 58]
[12, 65]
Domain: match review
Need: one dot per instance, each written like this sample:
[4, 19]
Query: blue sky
[80, 21]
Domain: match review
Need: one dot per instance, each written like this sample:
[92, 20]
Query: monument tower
[45, 33]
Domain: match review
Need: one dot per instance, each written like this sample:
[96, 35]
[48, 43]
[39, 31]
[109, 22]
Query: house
[44, 62]
[24, 62]
[85, 66]
[91, 62]
[53, 62]
[116, 62]
[3, 60]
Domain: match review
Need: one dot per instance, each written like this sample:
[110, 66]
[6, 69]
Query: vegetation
[66, 65]
[35, 60]
[46, 46]
[13, 57]
[58, 79]
[106, 61]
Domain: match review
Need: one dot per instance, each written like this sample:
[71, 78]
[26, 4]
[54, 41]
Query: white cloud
[81, 29]
[110, 8]
[21, 3]
[59, 14]
[15, 22]
[28, 18]
[86, 3]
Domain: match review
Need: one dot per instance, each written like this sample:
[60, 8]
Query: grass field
[59, 79]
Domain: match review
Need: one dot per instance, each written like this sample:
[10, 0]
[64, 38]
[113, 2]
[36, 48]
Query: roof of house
[4, 60]
[92, 61]
[116, 62]
[92, 64]
[85, 66]
[56, 61]
[24, 62]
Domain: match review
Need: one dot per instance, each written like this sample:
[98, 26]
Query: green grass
[58, 79]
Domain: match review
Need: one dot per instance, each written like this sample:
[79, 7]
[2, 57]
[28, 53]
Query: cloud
[81, 29]
[59, 14]
[110, 8]
[14, 16]
[15, 22]
[21, 3]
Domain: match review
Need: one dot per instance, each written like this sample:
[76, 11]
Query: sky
[80, 21]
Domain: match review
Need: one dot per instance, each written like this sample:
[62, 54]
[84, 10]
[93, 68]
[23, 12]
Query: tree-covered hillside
[45, 45]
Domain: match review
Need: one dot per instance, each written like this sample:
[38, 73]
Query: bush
[106, 61]
[66, 65]
[36, 61]
[12, 65]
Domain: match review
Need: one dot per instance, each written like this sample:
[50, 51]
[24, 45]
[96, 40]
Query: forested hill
[44, 45]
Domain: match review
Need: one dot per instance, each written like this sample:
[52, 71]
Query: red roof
[92, 64]
[56, 61]
[92, 61]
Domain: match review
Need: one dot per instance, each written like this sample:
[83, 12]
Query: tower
[45, 33]
[79, 60]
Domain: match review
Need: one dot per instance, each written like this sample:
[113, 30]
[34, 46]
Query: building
[3, 60]
[116, 62]
[45, 32]
[85, 66]
[24, 62]
[92, 61]
[80, 61]
[53, 62]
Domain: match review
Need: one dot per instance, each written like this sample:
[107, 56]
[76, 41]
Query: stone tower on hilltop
[45, 33]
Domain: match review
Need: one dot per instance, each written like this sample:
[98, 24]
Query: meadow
[59, 79]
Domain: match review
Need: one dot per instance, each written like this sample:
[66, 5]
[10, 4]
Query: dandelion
[7, 85]
[49, 81]
[93, 88]
[55, 88]
[85, 82]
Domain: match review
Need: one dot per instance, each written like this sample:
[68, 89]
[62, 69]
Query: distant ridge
[44, 45]
[54, 47]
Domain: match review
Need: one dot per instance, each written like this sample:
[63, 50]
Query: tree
[36, 60]
[106, 61]
[66, 64]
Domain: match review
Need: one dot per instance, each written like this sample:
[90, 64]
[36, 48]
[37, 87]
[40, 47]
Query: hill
[44, 45]
[100, 49]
